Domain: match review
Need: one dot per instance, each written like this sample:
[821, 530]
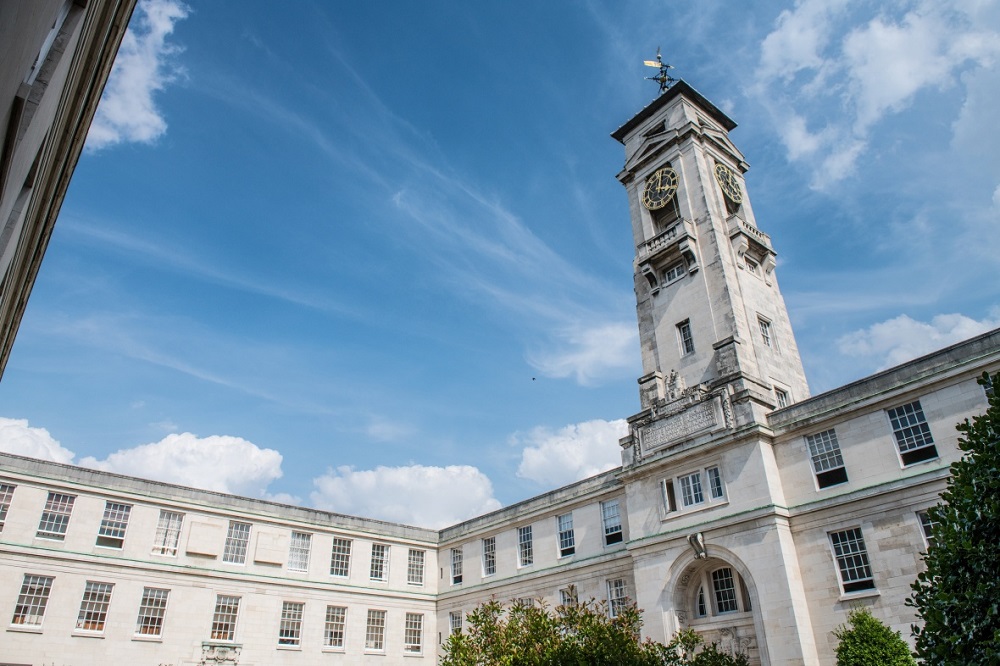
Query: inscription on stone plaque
[697, 418]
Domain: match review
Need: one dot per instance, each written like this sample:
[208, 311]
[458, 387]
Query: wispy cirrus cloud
[144, 66]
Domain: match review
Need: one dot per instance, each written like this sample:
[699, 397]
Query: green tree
[958, 595]
[572, 635]
[868, 642]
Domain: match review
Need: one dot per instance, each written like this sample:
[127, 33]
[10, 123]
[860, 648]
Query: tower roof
[679, 88]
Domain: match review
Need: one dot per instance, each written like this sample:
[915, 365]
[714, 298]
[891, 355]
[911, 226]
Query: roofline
[679, 88]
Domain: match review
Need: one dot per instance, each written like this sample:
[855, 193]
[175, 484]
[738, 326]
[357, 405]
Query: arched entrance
[716, 597]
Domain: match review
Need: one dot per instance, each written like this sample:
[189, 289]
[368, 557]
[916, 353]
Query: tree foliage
[572, 635]
[958, 595]
[868, 642]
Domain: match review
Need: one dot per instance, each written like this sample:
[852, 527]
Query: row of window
[909, 427]
[611, 521]
[92, 618]
[58, 508]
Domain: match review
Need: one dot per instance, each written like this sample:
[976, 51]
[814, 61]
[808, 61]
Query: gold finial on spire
[662, 78]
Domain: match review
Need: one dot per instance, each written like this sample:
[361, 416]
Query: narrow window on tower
[684, 338]
[781, 397]
[765, 331]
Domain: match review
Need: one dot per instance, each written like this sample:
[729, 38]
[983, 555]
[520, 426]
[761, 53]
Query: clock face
[660, 189]
[727, 181]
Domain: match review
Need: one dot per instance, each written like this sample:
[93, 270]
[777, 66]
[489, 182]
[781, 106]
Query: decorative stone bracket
[220, 654]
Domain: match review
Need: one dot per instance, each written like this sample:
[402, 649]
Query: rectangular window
[6, 495]
[525, 550]
[684, 338]
[94, 606]
[715, 482]
[340, 557]
[489, 556]
[752, 266]
[168, 533]
[55, 516]
[674, 272]
[31, 602]
[415, 567]
[926, 527]
[455, 622]
[290, 628]
[724, 586]
[333, 630]
[113, 525]
[567, 596]
[913, 435]
[152, 609]
[227, 609]
[691, 492]
[669, 499]
[852, 560]
[380, 562]
[413, 636]
[781, 397]
[567, 540]
[375, 631]
[765, 330]
[612, 520]
[826, 459]
[237, 540]
[617, 596]
[456, 566]
[298, 551]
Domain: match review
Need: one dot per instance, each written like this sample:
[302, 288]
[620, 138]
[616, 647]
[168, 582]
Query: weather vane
[663, 78]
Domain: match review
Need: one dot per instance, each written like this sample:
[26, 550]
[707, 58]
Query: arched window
[721, 591]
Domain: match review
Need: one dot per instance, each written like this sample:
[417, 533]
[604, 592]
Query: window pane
[852, 560]
[380, 562]
[237, 540]
[715, 482]
[31, 602]
[333, 631]
[6, 494]
[910, 427]
[724, 587]
[113, 525]
[55, 516]
[617, 596]
[413, 636]
[168, 533]
[525, 549]
[825, 451]
[489, 556]
[290, 629]
[567, 539]
[152, 609]
[456, 566]
[227, 609]
[94, 606]
[415, 567]
[375, 631]
[691, 492]
[298, 551]
[455, 622]
[340, 557]
[612, 520]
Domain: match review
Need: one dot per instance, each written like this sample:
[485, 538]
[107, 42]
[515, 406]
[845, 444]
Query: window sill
[87, 634]
[375, 653]
[25, 629]
[148, 639]
[694, 508]
[290, 648]
[333, 649]
[860, 594]
[418, 655]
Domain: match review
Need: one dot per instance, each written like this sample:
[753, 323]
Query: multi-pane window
[415, 567]
[413, 635]
[152, 609]
[380, 562]
[94, 606]
[913, 435]
[340, 557]
[456, 566]
[375, 631]
[31, 602]
[782, 397]
[112, 531]
[237, 539]
[669, 497]
[333, 629]
[684, 338]
[525, 549]
[567, 540]
[612, 520]
[852, 560]
[290, 627]
[752, 267]
[724, 586]
[674, 272]
[826, 459]
[55, 516]
[227, 609]
[691, 492]
[6, 494]
[168, 533]
[298, 551]
[568, 596]
[715, 488]
[489, 556]
[455, 622]
[765, 331]
[617, 596]
[926, 526]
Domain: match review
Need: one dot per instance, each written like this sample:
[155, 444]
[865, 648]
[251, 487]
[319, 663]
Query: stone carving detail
[675, 386]
[220, 654]
[694, 419]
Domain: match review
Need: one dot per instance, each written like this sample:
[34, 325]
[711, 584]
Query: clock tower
[717, 346]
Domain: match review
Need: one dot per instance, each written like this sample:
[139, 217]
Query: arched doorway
[716, 597]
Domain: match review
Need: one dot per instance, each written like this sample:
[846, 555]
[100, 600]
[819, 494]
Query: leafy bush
[868, 642]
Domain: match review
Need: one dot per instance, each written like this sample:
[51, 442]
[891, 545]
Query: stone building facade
[743, 508]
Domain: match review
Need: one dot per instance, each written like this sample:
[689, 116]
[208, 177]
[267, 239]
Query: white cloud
[902, 339]
[574, 452]
[590, 354]
[219, 462]
[17, 437]
[421, 495]
[127, 111]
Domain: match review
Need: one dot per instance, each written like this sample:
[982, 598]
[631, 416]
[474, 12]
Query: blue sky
[374, 258]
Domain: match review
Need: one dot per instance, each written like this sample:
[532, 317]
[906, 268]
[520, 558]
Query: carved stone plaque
[697, 418]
